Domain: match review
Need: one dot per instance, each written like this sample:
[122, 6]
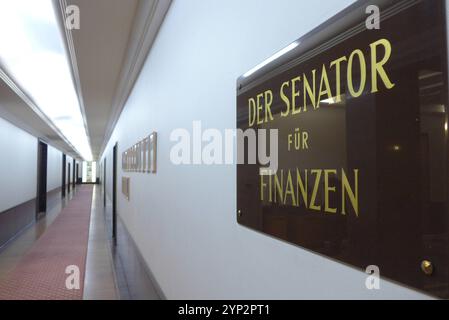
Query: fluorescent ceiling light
[272, 58]
[33, 54]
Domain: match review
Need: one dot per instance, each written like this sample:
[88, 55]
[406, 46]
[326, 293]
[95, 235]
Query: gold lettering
[324, 81]
[358, 93]
[305, 138]
[337, 63]
[268, 103]
[346, 189]
[328, 189]
[377, 67]
[312, 205]
[262, 186]
[308, 91]
[270, 193]
[278, 186]
[259, 108]
[251, 111]
[301, 187]
[293, 189]
[289, 189]
[295, 94]
[285, 99]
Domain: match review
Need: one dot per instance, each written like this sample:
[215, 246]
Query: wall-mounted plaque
[361, 118]
[125, 187]
[141, 157]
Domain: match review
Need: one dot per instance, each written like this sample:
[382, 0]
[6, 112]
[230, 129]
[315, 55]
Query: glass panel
[362, 175]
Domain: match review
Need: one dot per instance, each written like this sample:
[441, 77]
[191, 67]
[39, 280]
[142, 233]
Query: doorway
[74, 174]
[89, 172]
[63, 185]
[114, 193]
[104, 182]
[69, 184]
[41, 205]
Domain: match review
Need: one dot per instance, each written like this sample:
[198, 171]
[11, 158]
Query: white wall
[18, 170]
[54, 168]
[183, 218]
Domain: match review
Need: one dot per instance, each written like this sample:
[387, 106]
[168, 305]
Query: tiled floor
[100, 278]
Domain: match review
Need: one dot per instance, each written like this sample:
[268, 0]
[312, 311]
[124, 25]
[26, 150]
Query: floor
[100, 279]
[12, 252]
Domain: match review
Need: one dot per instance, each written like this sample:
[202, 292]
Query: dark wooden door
[68, 178]
[74, 174]
[104, 182]
[41, 205]
[63, 185]
[114, 193]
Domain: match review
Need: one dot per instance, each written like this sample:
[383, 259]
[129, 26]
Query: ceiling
[106, 55]
[100, 47]
[14, 109]
[113, 37]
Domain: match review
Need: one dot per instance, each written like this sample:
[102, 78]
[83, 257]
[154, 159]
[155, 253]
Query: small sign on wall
[125, 187]
[142, 156]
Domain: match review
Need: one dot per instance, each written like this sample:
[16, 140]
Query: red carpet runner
[40, 275]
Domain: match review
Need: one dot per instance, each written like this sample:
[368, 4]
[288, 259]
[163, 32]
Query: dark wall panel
[13, 220]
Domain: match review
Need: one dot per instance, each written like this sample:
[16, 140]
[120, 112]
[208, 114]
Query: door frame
[114, 192]
[69, 183]
[77, 173]
[63, 185]
[42, 167]
[104, 182]
[74, 175]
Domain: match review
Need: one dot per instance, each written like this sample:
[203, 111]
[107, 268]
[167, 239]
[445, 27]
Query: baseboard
[144, 285]
[19, 218]
[14, 220]
[135, 280]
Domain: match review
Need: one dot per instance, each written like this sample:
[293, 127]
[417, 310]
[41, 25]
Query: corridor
[224, 150]
[39, 270]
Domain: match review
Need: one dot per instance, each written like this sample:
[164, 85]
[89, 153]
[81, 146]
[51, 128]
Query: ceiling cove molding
[52, 140]
[25, 98]
[149, 18]
[61, 6]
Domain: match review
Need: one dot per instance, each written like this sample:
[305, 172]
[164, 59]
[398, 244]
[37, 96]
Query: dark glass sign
[362, 166]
